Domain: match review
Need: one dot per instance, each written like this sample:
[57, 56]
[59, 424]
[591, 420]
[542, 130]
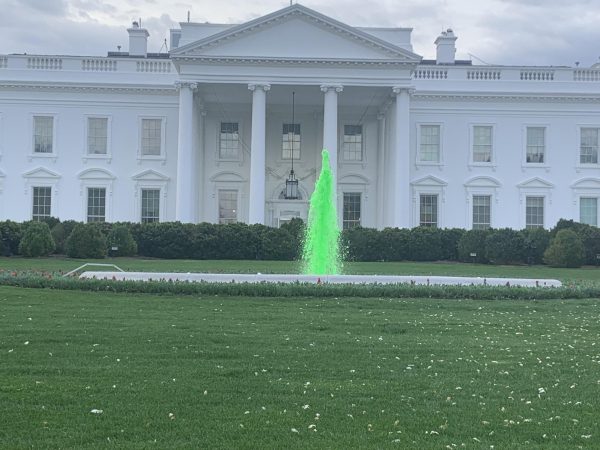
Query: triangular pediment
[227, 177]
[41, 172]
[295, 33]
[429, 180]
[587, 183]
[483, 182]
[150, 175]
[96, 174]
[353, 178]
[536, 183]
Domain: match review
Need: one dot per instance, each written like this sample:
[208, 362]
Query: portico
[342, 86]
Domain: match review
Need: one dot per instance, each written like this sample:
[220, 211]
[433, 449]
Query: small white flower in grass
[26, 343]
[171, 416]
[246, 412]
[205, 392]
[96, 411]
[541, 390]
[586, 436]
[11, 350]
[295, 431]
[305, 406]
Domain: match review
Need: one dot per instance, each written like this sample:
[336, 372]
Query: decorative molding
[332, 87]
[150, 175]
[264, 86]
[410, 90]
[181, 84]
[96, 173]
[508, 97]
[41, 172]
[155, 89]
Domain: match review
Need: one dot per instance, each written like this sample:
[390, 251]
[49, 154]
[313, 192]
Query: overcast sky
[519, 32]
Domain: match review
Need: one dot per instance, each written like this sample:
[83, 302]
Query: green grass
[589, 273]
[242, 373]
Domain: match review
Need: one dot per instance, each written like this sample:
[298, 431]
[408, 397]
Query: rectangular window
[534, 212]
[151, 137]
[429, 148]
[97, 136]
[428, 211]
[150, 205]
[42, 203]
[481, 212]
[588, 153]
[291, 141]
[96, 205]
[482, 144]
[43, 131]
[351, 213]
[229, 141]
[352, 145]
[228, 206]
[588, 210]
[536, 144]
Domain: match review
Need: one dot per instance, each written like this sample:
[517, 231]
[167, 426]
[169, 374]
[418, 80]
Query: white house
[207, 132]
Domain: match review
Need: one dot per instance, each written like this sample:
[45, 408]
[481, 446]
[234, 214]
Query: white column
[186, 181]
[330, 124]
[401, 159]
[257, 153]
[381, 171]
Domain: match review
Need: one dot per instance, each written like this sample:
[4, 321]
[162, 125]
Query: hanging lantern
[291, 184]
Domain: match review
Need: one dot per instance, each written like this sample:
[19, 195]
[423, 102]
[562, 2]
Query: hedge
[175, 240]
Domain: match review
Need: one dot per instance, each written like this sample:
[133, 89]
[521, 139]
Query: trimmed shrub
[565, 250]
[50, 221]
[425, 244]
[505, 246]
[11, 237]
[473, 241]
[590, 237]
[536, 241]
[276, 244]
[362, 244]
[450, 238]
[395, 244]
[60, 232]
[120, 238]
[86, 241]
[296, 228]
[36, 240]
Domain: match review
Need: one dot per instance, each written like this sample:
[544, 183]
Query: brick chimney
[445, 47]
[138, 40]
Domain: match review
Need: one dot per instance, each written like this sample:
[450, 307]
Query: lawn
[171, 372]
[589, 273]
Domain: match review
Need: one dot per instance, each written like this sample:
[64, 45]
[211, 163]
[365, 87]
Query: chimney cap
[135, 24]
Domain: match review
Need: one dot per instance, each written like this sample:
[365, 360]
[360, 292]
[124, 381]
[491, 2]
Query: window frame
[472, 204]
[545, 163]
[492, 161]
[437, 209]
[50, 155]
[281, 158]
[163, 128]
[544, 210]
[141, 203]
[99, 156]
[357, 223]
[590, 196]
[32, 200]
[342, 142]
[592, 165]
[87, 203]
[419, 137]
[218, 156]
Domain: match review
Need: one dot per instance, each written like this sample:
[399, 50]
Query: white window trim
[440, 162]
[362, 204]
[108, 156]
[428, 185]
[240, 141]
[482, 185]
[225, 187]
[585, 187]
[42, 177]
[534, 191]
[163, 139]
[493, 159]
[149, 179]
[597, 197]
[229, 180]
[578, 165]
[348, 162]
[524, 208]
[545, 164]
[107, 201]
[47, 156]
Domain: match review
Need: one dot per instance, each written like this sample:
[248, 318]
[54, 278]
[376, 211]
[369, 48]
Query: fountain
[321, 255]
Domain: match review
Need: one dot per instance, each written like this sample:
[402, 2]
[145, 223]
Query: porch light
[291, 184]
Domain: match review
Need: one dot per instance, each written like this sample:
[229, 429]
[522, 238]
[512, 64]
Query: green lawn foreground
[170, 372]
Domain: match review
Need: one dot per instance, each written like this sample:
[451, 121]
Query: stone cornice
[154, 89]
[507, 97]
[292, 61]
[264, 86]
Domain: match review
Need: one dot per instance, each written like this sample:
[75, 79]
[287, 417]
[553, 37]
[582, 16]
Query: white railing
[99, 65]
[483, 74]
[586, 75]
[153, 66]
[44, 63]
[537, 75]
[430, 74]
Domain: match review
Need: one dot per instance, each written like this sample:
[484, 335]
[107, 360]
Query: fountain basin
[333, 279]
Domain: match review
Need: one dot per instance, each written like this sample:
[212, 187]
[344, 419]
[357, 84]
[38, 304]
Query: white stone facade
[201, 134]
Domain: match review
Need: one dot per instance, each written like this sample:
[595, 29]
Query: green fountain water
[321, 254]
